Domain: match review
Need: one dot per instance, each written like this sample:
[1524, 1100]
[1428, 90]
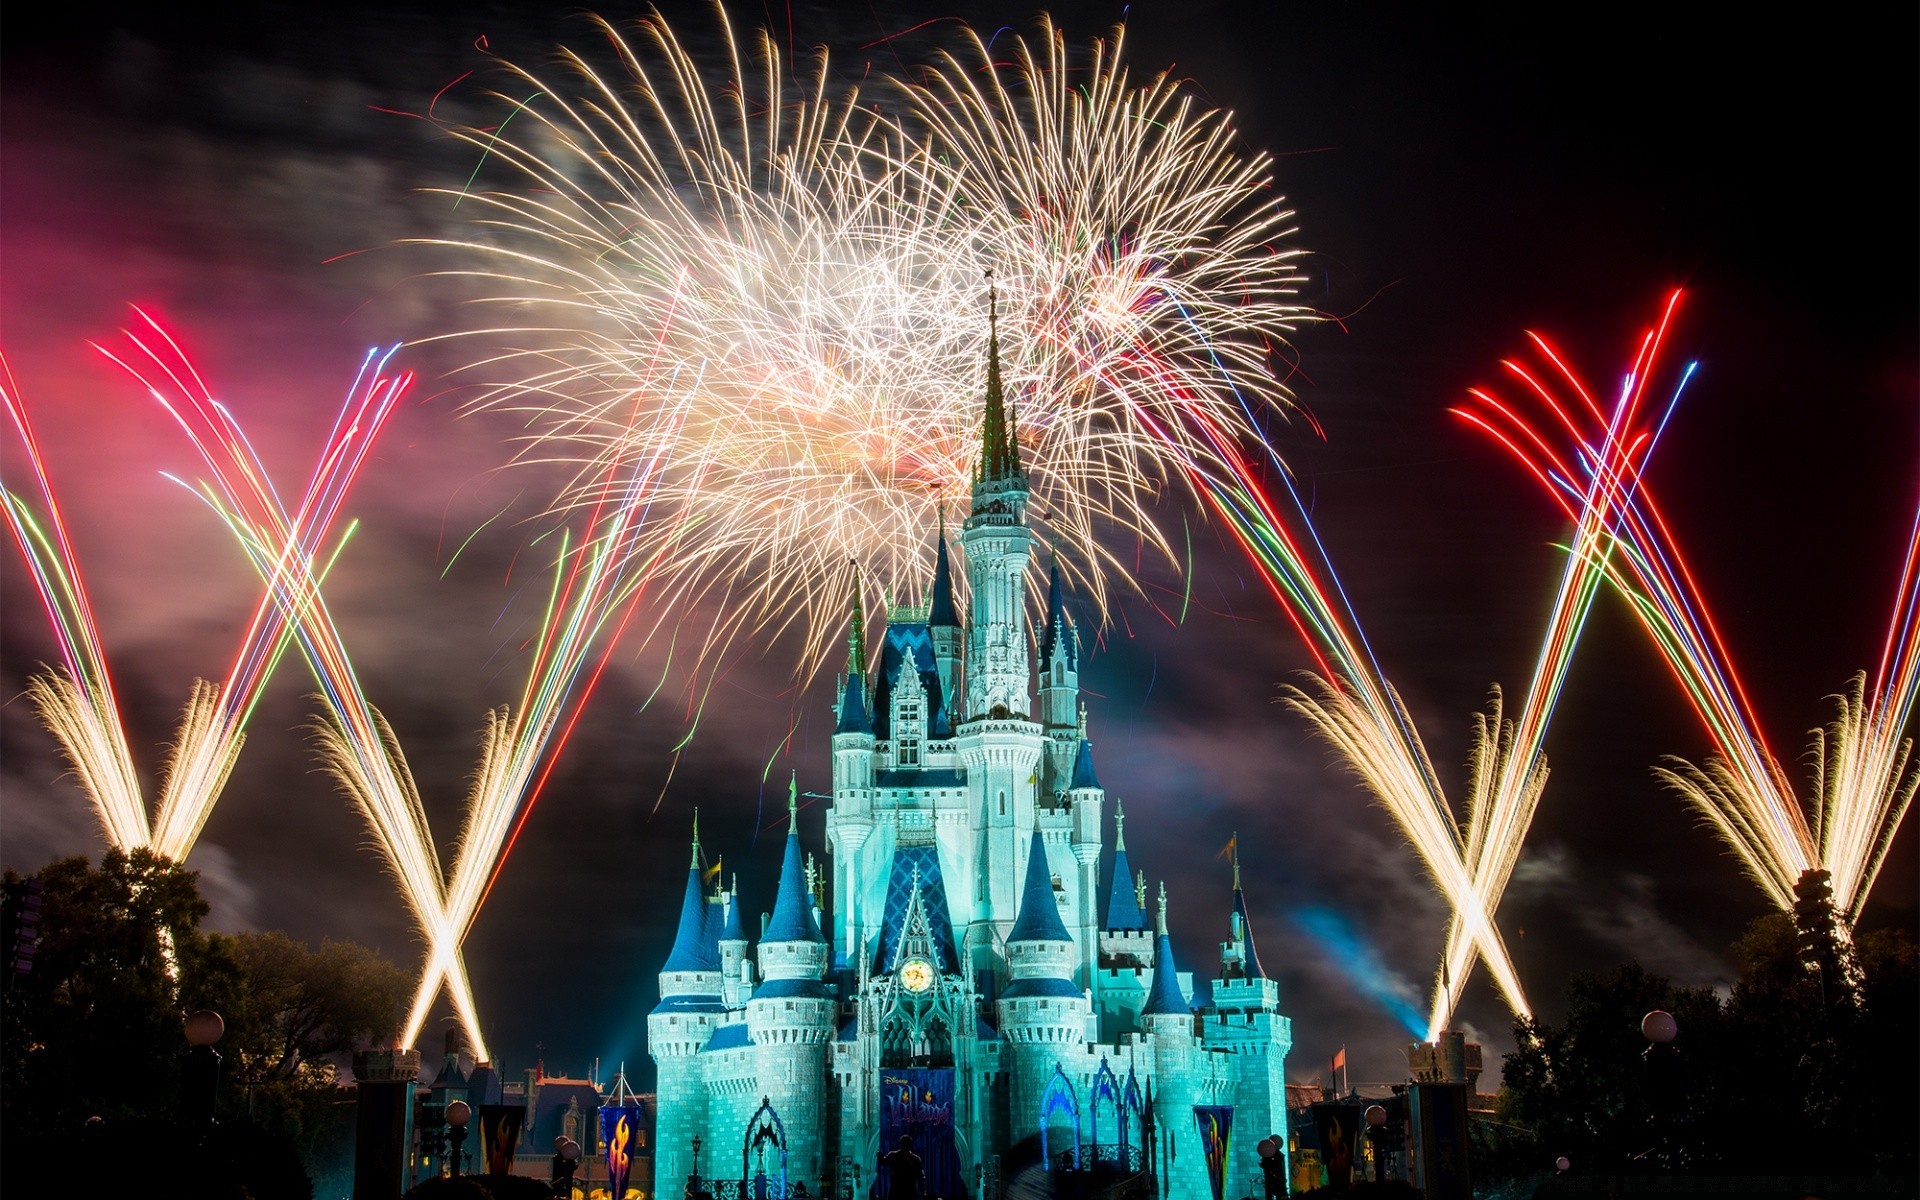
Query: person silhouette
[905, 1173]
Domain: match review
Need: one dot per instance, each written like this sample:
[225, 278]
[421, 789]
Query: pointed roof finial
[1083, 720]
[1233, 844]
[999, 459]
[1160, 918]
[1140, 890]
[857, 631]
[1119, 825]
[793, 803]
[695, 861]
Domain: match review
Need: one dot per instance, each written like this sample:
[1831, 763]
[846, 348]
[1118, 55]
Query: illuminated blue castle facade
[957, 973]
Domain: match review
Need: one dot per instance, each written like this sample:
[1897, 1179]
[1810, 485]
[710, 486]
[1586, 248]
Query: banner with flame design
[499, 1135]
[622, 1137]
[1216, 1132]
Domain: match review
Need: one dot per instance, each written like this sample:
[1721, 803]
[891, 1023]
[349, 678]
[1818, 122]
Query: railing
[758, 1187]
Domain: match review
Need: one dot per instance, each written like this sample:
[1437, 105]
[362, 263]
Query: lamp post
[1662, 1060]
[458, 1114]
[693, 1180]
[566, 1160]
[1273, 1168]
[1377, 1140]
[203, 1029]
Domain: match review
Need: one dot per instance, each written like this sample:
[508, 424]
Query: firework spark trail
[595, 584]
[1508, 770]
[796, 279]
[1358, 713]
[1863, 783]
[808, 312]
[357, 745]
[81, 709]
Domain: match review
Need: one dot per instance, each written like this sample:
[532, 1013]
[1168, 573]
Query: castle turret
[997, 544]
[691, 1005]
[1043, 1016]
[850, 822]
[1085, 801]
[736, 972]
[790, 1017]
[1059, 689]
[943, 625]
[1245, 1022]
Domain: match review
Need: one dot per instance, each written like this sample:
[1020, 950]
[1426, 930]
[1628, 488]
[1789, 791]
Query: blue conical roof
[942, 611]
[793, 909]
[1123, 907]
[1059, 632]
[1039, 919]
[693, 950]
[1083, 776]
[1164, 997]
[853, 707]
[732, 930]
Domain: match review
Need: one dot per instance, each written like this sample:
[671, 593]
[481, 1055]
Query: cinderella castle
[958, 974]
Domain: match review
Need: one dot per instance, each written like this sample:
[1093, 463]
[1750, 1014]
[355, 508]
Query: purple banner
[1216, 1134]
[918, 1102]
[621, 1137]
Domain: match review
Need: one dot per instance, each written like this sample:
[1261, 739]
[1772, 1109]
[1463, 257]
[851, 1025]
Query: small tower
[997, 544]
[736, 970]
[1043, 1016]
[1059, 688]
[1086, 800]
[691, 1005]
[790, 1017]
[1246, 1023]
[850, 822]
[943, 625]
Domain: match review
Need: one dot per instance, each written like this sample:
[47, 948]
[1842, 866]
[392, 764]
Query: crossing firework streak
[79, 705]
[1863, 776]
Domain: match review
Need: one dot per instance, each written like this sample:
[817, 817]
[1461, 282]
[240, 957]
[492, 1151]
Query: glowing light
[776, 291]
[78, 704]
[1863, 777]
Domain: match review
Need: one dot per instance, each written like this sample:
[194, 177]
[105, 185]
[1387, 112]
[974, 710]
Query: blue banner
[621, 1138]
[918, 1102]
[1216, 1133]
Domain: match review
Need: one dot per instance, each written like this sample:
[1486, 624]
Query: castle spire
[692, 949]
[999, 458]
[1124, 910]
[940, 610]
[857, 633]
[1164, 997]
[1039, 917]
[793, 816]
[792, 919]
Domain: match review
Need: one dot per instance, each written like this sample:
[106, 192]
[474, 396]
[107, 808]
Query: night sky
[1458, 178]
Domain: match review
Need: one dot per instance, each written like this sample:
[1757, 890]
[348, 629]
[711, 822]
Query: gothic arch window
[1106, 1088]
[1060, 1100]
